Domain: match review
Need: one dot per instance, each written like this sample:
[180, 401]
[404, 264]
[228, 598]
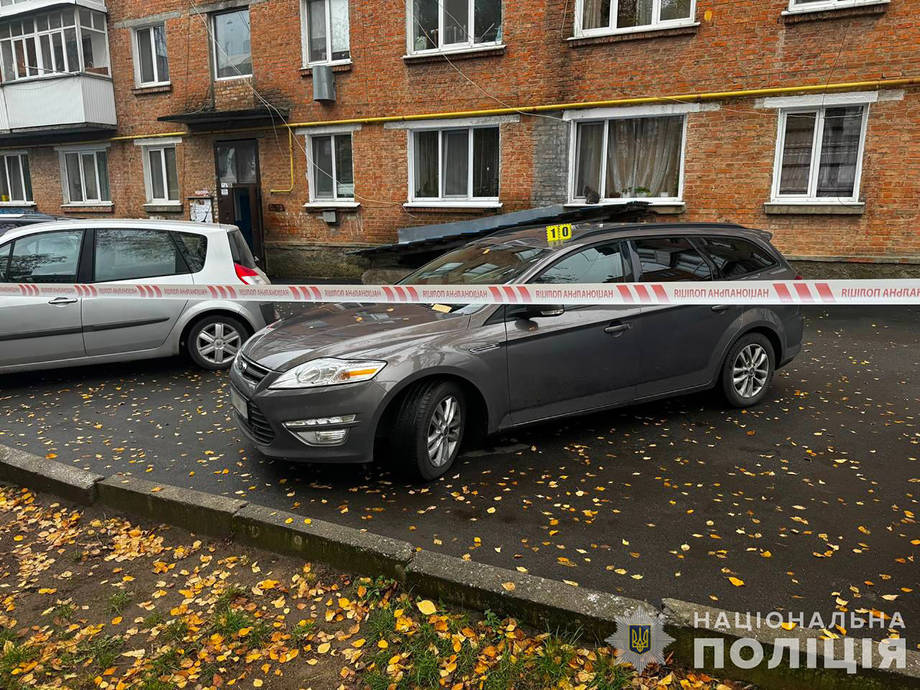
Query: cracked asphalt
[809, 501]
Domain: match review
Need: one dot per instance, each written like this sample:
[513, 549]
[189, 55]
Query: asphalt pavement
[806, 503]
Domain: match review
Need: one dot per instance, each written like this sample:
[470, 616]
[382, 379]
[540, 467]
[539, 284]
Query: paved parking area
[810, 500]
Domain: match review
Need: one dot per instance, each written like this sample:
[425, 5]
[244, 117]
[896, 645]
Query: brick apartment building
[323, 125]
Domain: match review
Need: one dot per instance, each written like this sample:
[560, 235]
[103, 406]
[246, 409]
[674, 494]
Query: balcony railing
[62, 102]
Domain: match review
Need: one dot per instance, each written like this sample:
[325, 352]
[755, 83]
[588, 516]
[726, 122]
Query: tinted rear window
[194, 249]
[735, 257]
[239, 250]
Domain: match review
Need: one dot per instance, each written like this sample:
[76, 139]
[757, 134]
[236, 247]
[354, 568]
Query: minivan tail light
[248, 276]
[799, 278]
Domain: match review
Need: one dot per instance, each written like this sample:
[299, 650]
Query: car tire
[748, 370]
[213, 341]
[433, 409]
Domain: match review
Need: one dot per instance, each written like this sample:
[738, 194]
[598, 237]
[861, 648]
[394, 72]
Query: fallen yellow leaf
[427, 607]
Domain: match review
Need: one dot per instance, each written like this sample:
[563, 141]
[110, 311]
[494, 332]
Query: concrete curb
[542, 603]
[545, 604]
[683, 616]
[41, 474]
[343, 547]
[196, 511]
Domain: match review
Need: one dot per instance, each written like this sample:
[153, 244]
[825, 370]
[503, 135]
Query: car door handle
[617, 328]
[63, 300]
[719, 307]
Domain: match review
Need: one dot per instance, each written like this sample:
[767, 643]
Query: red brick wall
[740, 44]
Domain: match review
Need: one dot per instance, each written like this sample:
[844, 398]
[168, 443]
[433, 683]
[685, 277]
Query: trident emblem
[640, 638]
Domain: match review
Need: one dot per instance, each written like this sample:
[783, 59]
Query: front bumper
[267, 410]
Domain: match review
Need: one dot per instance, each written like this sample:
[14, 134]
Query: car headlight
[328, 371]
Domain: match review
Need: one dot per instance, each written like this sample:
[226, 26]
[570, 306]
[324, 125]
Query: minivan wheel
[748, 370]
[429, 428]
[213, 342]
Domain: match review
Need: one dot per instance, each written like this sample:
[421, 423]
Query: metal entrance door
[239, 199]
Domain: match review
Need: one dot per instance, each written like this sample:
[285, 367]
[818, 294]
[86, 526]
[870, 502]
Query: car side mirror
[534, 311]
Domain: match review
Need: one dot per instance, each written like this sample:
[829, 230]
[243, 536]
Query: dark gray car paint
[524, 369]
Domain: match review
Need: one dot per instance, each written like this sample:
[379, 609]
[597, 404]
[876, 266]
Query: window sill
[104, 207]
[165, 207]
[458, 206]
[151, 89]
[17, 204]
[464, 54]
[319, 205]
[816, 14]
[306, 71]
[638, 34]
[842, 208]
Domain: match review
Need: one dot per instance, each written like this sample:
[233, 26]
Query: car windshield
[479, 264]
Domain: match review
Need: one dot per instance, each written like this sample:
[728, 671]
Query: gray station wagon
[331, 383]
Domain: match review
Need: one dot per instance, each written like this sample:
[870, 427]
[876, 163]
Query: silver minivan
[46, 332]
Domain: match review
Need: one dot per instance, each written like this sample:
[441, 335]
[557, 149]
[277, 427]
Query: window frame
[212, 25]
[466, 46]
[23, 156]
[305, 36]
[35, 34]
[65, 180]
[455, 201]
[606, 120]
[335, 199]
[147, 149]
[811, 197]
[797, 7]
[610, 29]
[135, 47]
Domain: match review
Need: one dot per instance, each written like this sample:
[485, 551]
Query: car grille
[259, 426]
[253, 373]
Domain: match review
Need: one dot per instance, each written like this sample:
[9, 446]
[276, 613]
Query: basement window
[454, 165]
[15, 179]
[325, 31]
[453, 25]
[604, 17]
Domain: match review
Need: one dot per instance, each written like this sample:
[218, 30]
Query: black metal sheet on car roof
[428, 237]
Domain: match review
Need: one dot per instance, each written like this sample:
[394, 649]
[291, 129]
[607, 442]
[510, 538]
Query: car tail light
[798, 277]
[248, 276]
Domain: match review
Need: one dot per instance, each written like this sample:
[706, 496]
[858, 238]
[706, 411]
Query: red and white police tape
[865, 292]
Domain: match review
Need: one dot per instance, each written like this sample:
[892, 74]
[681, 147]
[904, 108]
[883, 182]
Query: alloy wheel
[218, 342]
[750, 371]
[444, 431]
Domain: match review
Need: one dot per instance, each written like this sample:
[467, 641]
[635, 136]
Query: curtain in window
[839, 151]
[643, 157]
[590, 152]
[456, 162]
[634, 13]
[339, 11]
[426, 165]
[596, 14]
[797, 144]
